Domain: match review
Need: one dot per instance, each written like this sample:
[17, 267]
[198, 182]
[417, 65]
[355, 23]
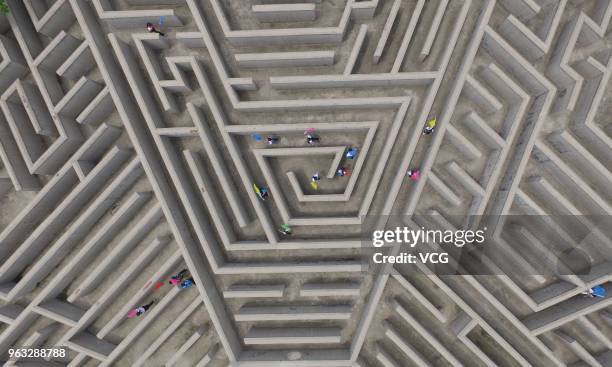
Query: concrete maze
[126, 156]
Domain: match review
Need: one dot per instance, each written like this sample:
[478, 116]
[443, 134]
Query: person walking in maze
[312, 139]
[314, 181]
[414, 174]
[176, 279]
[151, 28]
[351, 153]
[285, 229]
[342, 171]
[262, 192]
[140, 309]
[597, 291]
[187, 283]
[430, 126]
[273, 140]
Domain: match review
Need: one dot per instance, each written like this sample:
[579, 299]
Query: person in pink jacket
[414, 174]
[176, 279]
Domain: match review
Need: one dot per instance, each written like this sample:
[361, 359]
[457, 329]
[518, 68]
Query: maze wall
[126, 156]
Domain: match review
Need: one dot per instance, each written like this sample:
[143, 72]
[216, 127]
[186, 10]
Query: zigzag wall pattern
[127, 155]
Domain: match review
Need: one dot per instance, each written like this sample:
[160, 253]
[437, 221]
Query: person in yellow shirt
[429, 126]
[314, 181]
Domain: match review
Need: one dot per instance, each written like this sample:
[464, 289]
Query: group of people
[263, 193]
[311, 138]
[414, 173]
[350, 154]
[178, 280]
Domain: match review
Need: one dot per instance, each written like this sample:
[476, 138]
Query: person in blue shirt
[262, 192]
[187, 283]
[351, 153]
[597, 291]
